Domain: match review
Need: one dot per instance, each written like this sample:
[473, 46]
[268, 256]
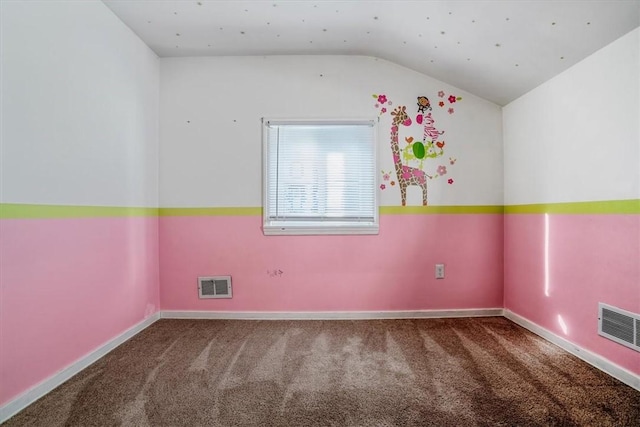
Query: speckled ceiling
[495, 49]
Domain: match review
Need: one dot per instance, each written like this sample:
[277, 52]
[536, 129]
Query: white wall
[79, 107]
[210, 128]
[577, 136]
[79, 120]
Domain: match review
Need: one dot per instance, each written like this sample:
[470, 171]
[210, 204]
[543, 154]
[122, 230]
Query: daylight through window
[320, 177]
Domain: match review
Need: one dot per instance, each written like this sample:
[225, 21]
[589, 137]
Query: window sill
[319, 229]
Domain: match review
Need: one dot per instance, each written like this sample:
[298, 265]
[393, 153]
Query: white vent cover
[214, 287]
[619, 325]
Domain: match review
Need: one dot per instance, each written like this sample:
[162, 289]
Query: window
[319, 177]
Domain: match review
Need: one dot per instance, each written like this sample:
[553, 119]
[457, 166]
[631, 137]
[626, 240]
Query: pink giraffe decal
[416, 151]
[406, 175]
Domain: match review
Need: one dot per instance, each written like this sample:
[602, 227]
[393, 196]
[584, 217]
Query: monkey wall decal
[423, 104]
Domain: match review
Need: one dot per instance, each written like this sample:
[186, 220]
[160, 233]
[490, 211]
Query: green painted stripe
[602, 207]
[425, 210]
[26, 211]
[246, 211]
[384, 210]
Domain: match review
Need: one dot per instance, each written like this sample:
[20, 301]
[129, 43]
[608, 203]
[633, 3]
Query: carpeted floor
[429, 372]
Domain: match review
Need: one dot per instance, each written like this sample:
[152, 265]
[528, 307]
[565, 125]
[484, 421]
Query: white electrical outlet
[439, 271]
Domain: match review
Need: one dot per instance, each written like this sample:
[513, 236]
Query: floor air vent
[214, 287]
[619, 325]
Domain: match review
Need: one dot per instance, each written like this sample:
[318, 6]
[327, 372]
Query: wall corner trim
[330, 315]
[25, 399]
[593, 359]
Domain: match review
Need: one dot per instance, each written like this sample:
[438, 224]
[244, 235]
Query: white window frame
[271, 227]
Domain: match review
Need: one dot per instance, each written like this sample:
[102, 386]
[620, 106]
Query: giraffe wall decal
[416, 152]
[407, 175]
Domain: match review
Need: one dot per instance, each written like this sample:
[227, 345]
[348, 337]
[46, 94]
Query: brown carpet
[429, 372]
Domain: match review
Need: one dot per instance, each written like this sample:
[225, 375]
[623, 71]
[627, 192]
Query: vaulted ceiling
[496, 49]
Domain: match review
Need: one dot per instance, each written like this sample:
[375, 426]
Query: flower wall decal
[451, 98]
[380, 100]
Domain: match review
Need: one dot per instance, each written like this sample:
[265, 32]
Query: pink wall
[68, 286]
[391, 271]
[591, 259]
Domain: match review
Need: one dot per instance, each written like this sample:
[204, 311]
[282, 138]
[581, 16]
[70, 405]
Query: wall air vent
[619, 325]
[214, 287]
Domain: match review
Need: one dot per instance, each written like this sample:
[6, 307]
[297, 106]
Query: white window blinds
[320, 177]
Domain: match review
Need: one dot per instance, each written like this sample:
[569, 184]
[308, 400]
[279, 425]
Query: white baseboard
[330, 315]
[17, 404]
[618, 372]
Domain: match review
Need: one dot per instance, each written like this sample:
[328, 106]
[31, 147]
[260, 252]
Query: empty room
[320, 213]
